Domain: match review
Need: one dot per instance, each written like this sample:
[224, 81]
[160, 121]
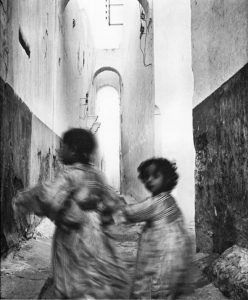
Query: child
[164, 248]
[85, 264]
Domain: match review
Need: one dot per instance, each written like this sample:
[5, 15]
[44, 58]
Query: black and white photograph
[124, 149]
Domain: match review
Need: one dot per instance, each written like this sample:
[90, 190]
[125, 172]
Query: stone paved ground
[24, 274]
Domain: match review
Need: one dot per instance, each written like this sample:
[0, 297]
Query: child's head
[78, 146]
[158, 175]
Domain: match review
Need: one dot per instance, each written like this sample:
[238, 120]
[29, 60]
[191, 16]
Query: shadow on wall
[14, 163]
[16, 147]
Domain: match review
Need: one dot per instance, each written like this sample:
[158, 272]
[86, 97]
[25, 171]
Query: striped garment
[164, 251]
[159, 207]
[85, 261]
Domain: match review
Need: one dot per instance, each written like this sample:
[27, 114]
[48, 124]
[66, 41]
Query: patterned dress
[164, 250]
[84, 260]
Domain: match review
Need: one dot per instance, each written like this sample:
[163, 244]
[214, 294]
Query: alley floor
[25, 273]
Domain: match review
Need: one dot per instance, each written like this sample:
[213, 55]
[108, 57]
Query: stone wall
[28, 154]
[221, 139]
[14, 165]
[230, 273]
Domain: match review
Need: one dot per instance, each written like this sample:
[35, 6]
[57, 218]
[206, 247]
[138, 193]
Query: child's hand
[14, 206]
[123, 202]
[69, 217]
[17, 207]
[119, 217]
[120, 203]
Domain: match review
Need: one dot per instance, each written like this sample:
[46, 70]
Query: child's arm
[139, 212]
[44, 199]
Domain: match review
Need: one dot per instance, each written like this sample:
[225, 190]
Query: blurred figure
[84, 260]
[164, 251]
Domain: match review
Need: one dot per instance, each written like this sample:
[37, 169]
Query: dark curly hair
[81, 141]
[163, 165]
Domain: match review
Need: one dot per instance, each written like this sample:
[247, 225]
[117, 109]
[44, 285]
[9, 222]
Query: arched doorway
[107, 108]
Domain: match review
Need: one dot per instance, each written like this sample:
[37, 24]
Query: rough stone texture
[221, 139]
[207, 292]
[28, 154]
[230, 273]
[23, 273]
[14, 163]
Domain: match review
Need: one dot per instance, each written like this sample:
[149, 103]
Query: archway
[107, 108]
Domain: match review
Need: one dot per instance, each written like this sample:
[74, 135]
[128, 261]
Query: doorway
[108, 135]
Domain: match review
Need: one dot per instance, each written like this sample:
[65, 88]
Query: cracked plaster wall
[137, 99]
[219, 43]
[44, 72]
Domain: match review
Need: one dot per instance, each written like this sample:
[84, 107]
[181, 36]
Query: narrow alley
[146, 78]
[26, 273]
